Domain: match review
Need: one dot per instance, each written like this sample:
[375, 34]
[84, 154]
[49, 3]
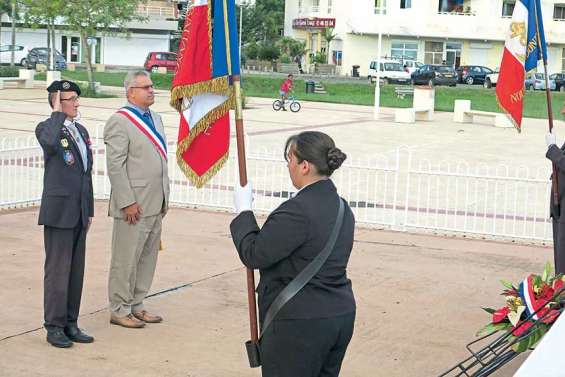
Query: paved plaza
[419, 296]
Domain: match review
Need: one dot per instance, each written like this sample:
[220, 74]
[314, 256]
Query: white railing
[21, 172]
[396, 191]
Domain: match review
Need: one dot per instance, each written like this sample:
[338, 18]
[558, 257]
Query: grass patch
[360, 93]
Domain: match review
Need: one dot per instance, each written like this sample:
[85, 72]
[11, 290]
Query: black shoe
[57, 338]
[76, 335]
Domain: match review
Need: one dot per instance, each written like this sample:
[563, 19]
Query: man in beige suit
[137, 167]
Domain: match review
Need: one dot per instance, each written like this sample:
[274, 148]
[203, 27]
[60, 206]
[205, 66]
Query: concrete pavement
[418, 298]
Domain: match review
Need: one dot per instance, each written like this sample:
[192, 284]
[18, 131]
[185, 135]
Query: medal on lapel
[64, 143]
[68, 157]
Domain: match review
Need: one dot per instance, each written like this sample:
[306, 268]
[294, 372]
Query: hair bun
[335, 158]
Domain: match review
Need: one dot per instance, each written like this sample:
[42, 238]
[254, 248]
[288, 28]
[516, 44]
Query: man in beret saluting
[67, 208]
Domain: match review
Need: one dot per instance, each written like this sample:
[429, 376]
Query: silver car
[536, 81]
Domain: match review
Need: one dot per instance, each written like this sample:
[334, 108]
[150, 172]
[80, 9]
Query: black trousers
[306, 347]
[64, 271]
[559, 246]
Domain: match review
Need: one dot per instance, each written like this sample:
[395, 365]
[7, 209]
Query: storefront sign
[313, 23]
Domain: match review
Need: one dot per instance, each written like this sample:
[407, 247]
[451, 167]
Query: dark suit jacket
[67, 188]
[557, 156]
[291, 238]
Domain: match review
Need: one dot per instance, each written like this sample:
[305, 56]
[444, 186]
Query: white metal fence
[397, 191]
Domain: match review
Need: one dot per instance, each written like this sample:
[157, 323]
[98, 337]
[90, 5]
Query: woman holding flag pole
[311, 296]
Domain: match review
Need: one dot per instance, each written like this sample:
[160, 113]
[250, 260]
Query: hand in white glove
[550, 139]
[243, 197]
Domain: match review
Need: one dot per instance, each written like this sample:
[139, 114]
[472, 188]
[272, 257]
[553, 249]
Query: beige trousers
[134, 258]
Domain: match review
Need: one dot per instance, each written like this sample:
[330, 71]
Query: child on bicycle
[286, 87]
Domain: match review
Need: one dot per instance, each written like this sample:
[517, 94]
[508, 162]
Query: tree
[40, 13]
[5, 8]
[88, 17]
[263, 21]
[329, 36]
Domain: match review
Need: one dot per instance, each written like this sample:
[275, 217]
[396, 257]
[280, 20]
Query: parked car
[434, 75]
[391, 72]
[472, 74]
[491, 79]
[559, 79]
[154, 60]
[40, 55]
[536, 81]
[20, 54]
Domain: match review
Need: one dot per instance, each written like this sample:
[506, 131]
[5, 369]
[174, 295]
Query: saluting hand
[132, 213]
[57, 101]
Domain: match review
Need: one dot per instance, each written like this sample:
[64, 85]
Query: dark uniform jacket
[291, 238]
[67, 188]
[557, 156]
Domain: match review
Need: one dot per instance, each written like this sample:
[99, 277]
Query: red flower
[557, 284]
[522, 328]
[499, 315]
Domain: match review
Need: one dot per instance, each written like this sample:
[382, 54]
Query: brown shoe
[128, 321]
[146, 317]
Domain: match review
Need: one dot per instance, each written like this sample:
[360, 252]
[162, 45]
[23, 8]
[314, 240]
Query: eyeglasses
[145, 87]
[73, 99]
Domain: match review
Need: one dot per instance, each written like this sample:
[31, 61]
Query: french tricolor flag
[521, 54]
[202, 91]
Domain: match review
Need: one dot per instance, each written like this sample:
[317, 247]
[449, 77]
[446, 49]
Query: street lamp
[377, 108]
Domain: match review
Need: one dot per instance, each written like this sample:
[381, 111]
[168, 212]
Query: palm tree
[329, 36]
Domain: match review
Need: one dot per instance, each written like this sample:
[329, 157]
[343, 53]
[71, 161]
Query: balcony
[152, 11]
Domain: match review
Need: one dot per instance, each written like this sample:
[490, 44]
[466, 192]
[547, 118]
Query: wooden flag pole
[554, 188]
[240, 139]
[243, 181]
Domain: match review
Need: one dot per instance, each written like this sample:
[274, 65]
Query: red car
[155, 60]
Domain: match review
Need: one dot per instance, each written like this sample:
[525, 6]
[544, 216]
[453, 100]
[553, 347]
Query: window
[380, 5]
[508, 8]
[559, 12]
[299, 6]
[329, 6]
[315, 6]
[563, 60]
[433, 53]
[405, 4]
[404, 50]
[454, 6]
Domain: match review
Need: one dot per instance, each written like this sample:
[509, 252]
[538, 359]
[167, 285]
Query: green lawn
[355, 93]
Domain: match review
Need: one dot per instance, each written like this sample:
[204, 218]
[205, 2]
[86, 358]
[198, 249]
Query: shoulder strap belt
[305, 275]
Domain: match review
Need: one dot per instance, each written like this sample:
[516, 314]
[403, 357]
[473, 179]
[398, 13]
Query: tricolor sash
[147, 127]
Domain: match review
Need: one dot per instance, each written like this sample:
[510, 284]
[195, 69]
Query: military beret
[63, 86]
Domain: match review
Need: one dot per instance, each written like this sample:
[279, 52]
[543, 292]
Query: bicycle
[293, 104]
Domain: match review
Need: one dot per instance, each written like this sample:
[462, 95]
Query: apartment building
[457, 32]
[153, 35]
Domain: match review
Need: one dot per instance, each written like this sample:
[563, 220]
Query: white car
[491, 79]
[391, 72]
[20, 54]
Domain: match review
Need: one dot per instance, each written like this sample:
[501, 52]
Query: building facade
[120, 50]
[458, 32]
